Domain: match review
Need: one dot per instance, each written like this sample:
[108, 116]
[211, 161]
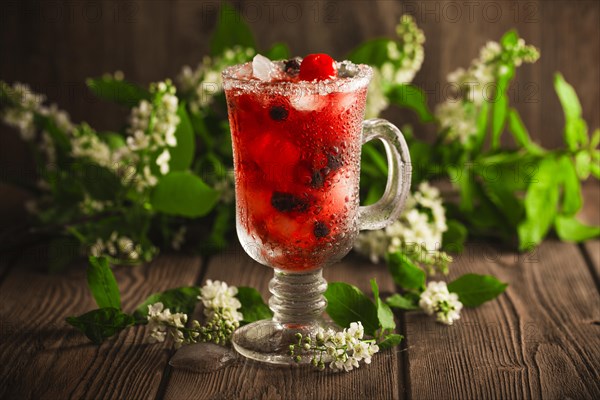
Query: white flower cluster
[406, 57]
[458, 119]
[377, 101]
[152, 131]
[85, 143]
[436, 299]
[343, 350]
[161, 322]
[116, 246]
[404, 60]
[218, 297]
[205, 82]
[477, 84]
[220, 307]
[419, 229]
[24, 105]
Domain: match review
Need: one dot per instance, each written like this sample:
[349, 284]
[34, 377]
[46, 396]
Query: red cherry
[317, 67]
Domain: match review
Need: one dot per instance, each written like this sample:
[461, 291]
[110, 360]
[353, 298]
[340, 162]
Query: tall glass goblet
[296, 151]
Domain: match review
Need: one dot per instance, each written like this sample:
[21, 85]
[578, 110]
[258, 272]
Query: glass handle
[388, 207]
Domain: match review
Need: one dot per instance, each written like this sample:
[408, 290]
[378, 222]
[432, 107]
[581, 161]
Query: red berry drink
[296, 133]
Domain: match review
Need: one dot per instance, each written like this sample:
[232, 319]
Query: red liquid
[297, 174]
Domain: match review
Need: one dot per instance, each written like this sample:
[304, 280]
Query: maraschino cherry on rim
[317, 67]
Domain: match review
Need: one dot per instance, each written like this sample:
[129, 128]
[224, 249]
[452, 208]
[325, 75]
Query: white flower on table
[162, 322]
[218, 296]
[345, 349]
[436, 299]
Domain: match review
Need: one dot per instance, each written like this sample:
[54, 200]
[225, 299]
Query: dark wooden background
[55, 45]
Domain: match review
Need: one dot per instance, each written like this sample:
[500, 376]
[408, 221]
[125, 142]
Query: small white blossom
[119, 246]
[205, 82]
[163, 161]
[162, 322]
[420, 226]
[87, 144]
[226, 189]
[459, 122]
[476, 84]
[217, 295]
[179, 238]
[377, 101]
[24, 105]
[436, 299]
[404, 59]
[345, 349]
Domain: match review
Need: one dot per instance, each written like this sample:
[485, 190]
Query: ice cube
[263, 68]
[343, 101]
[347, 69]
[308, 102]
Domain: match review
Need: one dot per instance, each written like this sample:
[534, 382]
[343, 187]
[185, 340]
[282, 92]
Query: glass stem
[297, 298]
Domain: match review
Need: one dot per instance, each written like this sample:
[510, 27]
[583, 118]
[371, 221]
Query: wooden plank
[43, 357]
[539, 340]
[247, 379]
[591, 214]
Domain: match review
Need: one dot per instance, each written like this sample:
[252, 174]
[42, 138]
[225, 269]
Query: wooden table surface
[541, 339]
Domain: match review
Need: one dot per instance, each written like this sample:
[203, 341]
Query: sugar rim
[337, 85]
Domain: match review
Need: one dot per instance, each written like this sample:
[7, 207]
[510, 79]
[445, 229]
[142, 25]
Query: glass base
[297, 304]
[269, 341]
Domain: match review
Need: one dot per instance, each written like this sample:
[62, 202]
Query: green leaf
[372, 52]
[102, 323]
[60, 138]
[595, 140]
[454, 238]
[595, 168]
[402, 302]
[474, 290]
[520, 133]
[102, 283]
[231, 31]
[405, 273]
[583, 164]
[347, 304]
[510, 38]
[482, 126]
[279, 51]
[100, 182]
[411, 97]
[391, 340]
[182, 155]
[118, 91]
[178, 300]
[572, 197]
[223, 222]
[463, 178]
[569, 229]
[575, 126]
[373, 156]
[384, 313]
[541, 203]
[500, 110]
[185, 194]
[253, 306]
[112, 139]
[508, 204]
